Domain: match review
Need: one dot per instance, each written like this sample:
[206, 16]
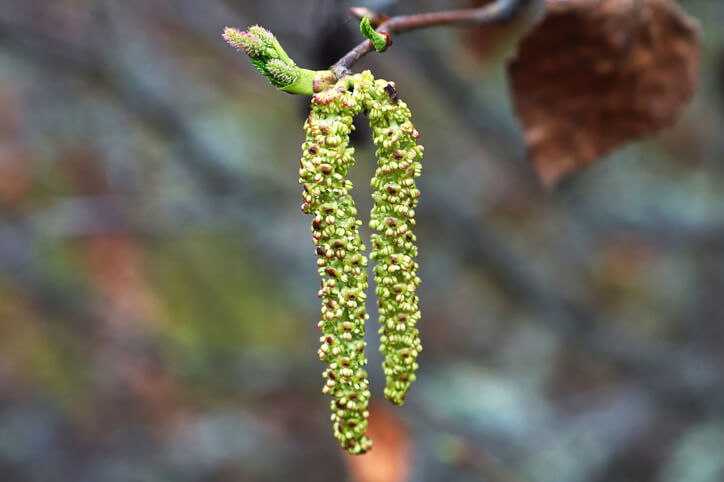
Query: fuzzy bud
[269, 58]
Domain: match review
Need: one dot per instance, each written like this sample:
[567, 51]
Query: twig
[501, 11]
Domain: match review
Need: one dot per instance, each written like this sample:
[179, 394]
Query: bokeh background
[158, 283]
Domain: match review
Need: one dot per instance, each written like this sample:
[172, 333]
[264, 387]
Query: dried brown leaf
[596, 74]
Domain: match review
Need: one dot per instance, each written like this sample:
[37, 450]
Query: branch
[501, 11]
[272, 61]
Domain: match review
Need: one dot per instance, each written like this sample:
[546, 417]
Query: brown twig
[501, 11]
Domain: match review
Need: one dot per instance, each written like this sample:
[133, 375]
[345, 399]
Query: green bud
[270, 59]
[380, 41]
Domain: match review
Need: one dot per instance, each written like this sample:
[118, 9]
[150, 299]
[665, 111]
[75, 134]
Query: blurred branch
[77, 217]
[54, 298]
[664, 230]
[660, 369]
[89, 61]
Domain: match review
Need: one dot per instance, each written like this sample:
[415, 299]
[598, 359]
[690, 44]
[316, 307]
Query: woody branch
[500, 11]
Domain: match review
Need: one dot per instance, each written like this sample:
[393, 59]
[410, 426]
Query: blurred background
[158, 282]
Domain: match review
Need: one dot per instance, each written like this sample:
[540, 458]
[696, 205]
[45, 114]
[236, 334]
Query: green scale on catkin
[325, 161]
[393, 245]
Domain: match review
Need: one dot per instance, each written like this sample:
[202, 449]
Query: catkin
[325, 161]
[393, 244]
[326, 158]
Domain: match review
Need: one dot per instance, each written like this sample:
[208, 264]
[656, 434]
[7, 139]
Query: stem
[501, 11]
[310, 82]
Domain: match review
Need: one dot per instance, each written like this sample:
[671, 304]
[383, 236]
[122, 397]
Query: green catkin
[393, 246]
[326, 158]
[325, 161]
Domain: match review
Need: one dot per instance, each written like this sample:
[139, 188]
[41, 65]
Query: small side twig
[501, 11]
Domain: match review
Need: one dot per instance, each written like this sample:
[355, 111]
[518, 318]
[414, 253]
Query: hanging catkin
[326, 158]
[393, 246]
[325, 161]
